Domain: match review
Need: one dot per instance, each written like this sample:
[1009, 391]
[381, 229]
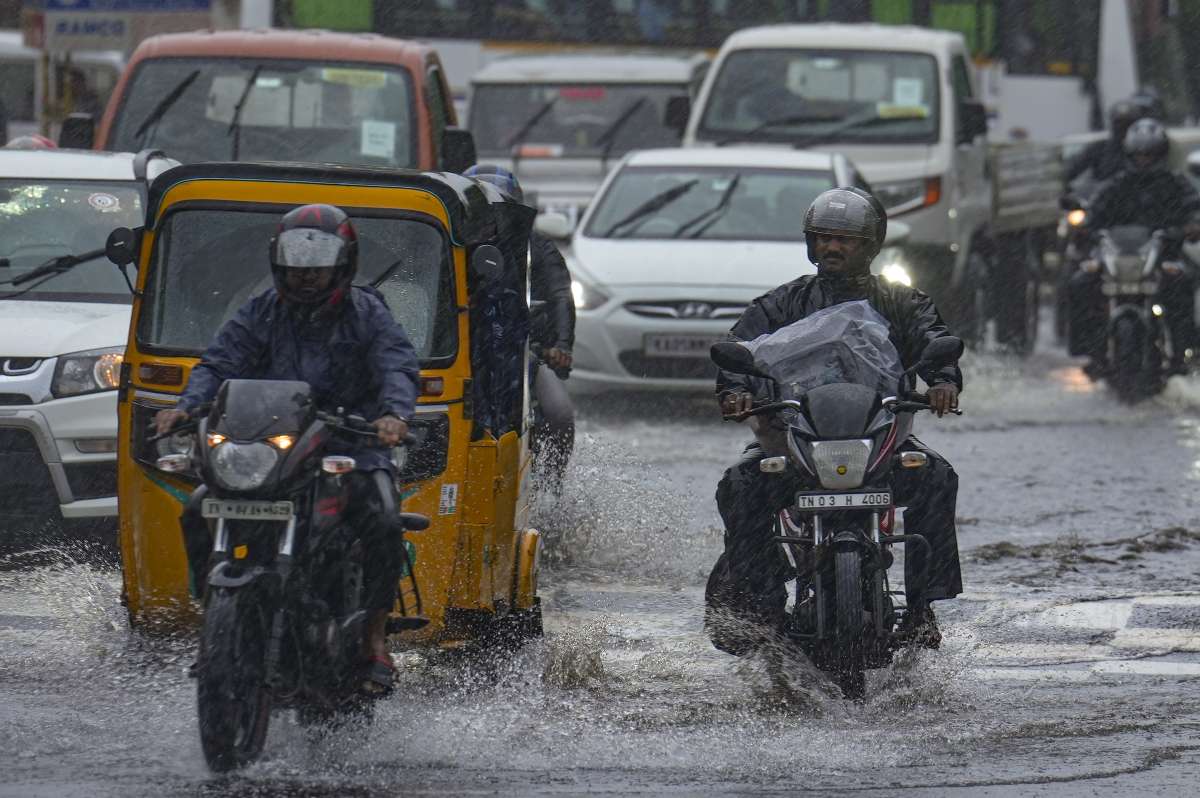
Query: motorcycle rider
[552, 333]
[844, 228]
[1146, 193]
[315, 326]
[1106, 158]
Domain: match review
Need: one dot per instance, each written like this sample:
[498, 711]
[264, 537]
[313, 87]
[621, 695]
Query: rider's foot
[379, 671]
[920, 629]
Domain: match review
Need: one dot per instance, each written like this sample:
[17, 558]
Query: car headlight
[88, 372]
[586, 297]
[894, 267]
[243, 466]
[841, 465]
[901, 196]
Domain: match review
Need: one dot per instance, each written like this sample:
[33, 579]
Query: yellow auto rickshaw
[449, 257]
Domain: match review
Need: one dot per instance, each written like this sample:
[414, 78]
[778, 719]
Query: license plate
[843, 501]
[245, 508]
[696, 346]
[1126, 289]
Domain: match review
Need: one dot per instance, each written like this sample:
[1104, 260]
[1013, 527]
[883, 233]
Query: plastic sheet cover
[847, 342]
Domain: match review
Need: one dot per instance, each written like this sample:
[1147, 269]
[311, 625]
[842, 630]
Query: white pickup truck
[901, 102]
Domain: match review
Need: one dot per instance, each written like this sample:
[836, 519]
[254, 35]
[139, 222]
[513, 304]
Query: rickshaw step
[408, 623]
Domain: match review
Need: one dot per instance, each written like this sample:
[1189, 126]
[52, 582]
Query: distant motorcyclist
[1150, 103]
[1145, 193]
[1104, 159]
[844, 230]
[552, 335]
[314, 326]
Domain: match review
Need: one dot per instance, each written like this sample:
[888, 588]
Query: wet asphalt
[1069, 667]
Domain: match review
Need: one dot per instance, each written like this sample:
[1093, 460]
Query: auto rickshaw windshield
[208, 262]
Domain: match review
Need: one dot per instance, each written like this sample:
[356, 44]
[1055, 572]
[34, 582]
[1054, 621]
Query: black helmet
[1121, 115]
[314, 237]
[1149, 103]
[499, 177]
[1147, 137]
[846, 212]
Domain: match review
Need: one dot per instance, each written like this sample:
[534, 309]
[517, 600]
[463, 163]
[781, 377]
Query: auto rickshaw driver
[285, 333]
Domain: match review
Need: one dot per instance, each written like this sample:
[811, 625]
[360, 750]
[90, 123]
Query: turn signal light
[913, 459]
[337, 464]
[215, 439]
[432, 386]
[933, 190]
[282, 442]
[772, 465]
[161, 373]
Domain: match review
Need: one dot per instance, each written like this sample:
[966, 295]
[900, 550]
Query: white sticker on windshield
[378, 139]
[908, 91]
[105, 203]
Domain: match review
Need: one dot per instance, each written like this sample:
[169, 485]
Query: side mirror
[552, 224]
[675, 116]
[122, 246]
[486, 264]
[78, 132]
[942, 351]
[897, 233]
[972, 121]
[734, 357]
[458, 150]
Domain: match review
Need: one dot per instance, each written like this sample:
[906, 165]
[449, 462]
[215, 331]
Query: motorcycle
[844, 442]
[1131, 260]
[1072, 250]
[283, 622]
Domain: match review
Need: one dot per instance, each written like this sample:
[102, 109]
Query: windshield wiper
[854, 122]
[654, 204]
[609, 137]
[779, 121]
[530, 123]
[49, 269]
[710, 216]
[235, 123]
[164, 105]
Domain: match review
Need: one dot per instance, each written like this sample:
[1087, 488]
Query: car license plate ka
[247, 509]
[690, 346]
[844, 501]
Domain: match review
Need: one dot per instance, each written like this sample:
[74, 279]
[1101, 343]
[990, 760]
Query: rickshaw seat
[414, 522]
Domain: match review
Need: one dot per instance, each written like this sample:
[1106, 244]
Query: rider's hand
[558, 358]
[165, 420]
[390, 429]
[733, 404]
[943, 398]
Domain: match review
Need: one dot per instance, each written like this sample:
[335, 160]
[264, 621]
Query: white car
[62, 334]
[676, 245]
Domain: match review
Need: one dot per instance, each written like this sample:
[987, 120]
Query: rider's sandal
[379, 676]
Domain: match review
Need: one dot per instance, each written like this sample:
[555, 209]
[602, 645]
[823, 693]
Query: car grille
[92, 480]
[11, 399]
[667, 368]
[687, 309]
[25, 486]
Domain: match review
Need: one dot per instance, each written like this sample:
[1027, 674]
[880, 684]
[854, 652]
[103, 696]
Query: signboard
[70, 25]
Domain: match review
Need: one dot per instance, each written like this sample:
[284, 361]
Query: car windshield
[577, 119]
[45, 219]
[289, 111]
[202, 274]
[726, 203]
[785, 94]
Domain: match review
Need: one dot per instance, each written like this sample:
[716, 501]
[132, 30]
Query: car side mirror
[458, 150]
[897, 233]
[675, 115]
[733, 357]
[486, 264]
[552, 224]
[122, 246]
[972, 121]
[78, 132]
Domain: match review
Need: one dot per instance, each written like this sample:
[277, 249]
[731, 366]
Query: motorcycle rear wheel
[850, 668]
[233, 702]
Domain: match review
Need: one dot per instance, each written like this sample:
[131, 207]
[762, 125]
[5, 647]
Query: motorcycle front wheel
[232, 700]
[850, 668]
[1127, 372]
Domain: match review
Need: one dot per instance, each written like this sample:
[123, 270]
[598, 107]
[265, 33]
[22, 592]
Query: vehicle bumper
[42, 466]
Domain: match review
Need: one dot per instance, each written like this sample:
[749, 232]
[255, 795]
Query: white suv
[63, 330]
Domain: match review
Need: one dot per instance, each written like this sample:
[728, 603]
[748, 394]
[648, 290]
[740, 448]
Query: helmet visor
[306, 248]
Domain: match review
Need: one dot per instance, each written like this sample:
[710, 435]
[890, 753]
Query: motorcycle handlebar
[912, 402]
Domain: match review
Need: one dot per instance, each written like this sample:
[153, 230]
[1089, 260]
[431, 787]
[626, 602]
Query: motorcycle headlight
[243, 466]
[88, 372]
[586, 297]
[841, 465]
[1076, 217]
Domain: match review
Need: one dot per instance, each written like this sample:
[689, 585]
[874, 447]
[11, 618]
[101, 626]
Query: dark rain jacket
[357, 357]
[1156, 198]
[913, 319]
[550, 282]
[1104, 158]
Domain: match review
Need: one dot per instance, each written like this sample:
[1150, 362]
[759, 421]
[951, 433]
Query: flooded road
[1070, 667]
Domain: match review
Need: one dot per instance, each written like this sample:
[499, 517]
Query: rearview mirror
[734, 357]
[675, 116]
[458, 150]
[552, 225]
[122, 246]
[972, 121]
[487, 263]
[943, 351]
[897, 233]
[78, 132]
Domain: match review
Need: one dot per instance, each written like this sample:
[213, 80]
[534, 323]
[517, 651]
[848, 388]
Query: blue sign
[126, 6]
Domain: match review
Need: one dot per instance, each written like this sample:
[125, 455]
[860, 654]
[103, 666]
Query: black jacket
[1156, 198]
[1104, 159]
[913, 318]
[550, 282]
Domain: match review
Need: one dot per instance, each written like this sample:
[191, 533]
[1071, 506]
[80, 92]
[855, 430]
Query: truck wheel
[968, 313]
[1016, 296]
